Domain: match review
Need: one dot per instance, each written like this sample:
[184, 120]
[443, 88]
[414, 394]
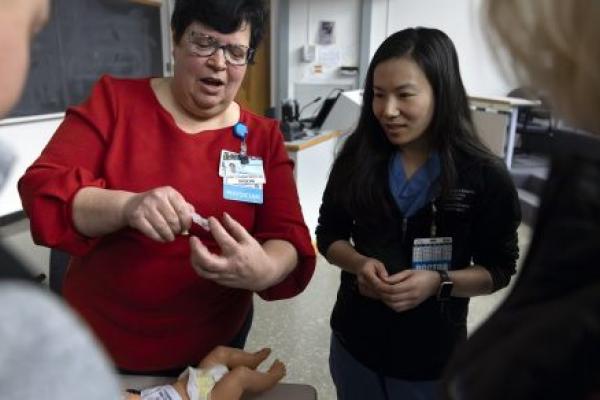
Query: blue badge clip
[240, 131]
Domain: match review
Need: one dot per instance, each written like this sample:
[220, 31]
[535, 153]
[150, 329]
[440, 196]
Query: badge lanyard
[240, 131]
[243, 176]
[433, 229]
[432, 253]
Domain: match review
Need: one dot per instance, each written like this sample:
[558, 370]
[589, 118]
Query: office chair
[535, 124]
[59, 262]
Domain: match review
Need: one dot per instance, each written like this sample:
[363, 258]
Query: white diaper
[201, 381]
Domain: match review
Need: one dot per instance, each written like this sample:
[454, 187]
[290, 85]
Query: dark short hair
[225, 16]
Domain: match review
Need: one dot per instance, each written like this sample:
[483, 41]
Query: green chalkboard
[84, 40]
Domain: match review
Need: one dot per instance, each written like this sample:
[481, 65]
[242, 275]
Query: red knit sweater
[142, 298]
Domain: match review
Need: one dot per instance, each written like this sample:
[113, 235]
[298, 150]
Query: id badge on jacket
[432, 254]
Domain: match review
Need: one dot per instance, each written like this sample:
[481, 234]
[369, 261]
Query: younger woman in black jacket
[419, 216]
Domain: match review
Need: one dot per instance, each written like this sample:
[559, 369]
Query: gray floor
[298, 329]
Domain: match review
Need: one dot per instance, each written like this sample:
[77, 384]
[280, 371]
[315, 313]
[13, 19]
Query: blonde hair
[555, 47]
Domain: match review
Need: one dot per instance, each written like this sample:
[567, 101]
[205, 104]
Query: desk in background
[496, 121]
[313, 157]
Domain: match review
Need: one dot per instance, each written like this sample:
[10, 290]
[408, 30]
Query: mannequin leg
[232, 358]
[242, 379]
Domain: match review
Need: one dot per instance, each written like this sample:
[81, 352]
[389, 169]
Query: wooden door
[255, 92]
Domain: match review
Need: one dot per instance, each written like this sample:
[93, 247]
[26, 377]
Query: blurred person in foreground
[543, 342]
[45, 352]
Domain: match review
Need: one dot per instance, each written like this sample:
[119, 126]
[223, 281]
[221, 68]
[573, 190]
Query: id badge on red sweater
[432, 254]
[242, 181]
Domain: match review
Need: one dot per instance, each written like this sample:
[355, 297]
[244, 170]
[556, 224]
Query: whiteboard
[25, 138]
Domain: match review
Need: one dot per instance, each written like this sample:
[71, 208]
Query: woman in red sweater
[119, 183]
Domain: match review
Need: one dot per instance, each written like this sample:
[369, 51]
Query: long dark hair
[358, 178]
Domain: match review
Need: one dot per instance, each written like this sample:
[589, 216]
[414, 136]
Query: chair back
[59, 262]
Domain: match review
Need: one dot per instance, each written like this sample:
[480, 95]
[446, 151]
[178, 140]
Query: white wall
[311, 172]
[274, 12]
[304, 19]
[378, 24]
[461, 20]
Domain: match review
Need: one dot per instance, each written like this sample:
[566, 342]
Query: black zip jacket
[481, 214]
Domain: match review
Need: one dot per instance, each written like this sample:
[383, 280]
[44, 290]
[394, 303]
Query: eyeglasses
[201, 45]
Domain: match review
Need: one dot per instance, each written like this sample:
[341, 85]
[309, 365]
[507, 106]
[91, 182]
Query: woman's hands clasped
[371, 277]
[402, 291]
